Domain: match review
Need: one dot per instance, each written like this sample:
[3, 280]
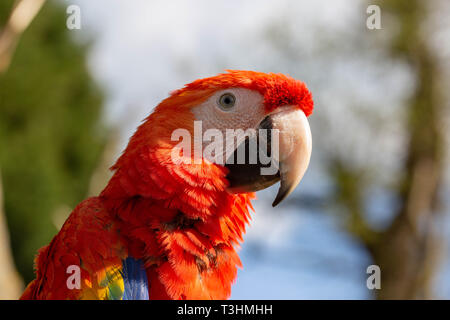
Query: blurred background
[378, 187]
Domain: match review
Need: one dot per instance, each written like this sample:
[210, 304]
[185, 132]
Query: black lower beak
[287, 165]
[246, 177]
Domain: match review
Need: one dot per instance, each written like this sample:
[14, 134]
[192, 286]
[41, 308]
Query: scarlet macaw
[163, 229]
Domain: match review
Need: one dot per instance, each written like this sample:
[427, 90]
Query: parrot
[169, 222]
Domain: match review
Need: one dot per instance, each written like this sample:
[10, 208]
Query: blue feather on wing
[135, 280]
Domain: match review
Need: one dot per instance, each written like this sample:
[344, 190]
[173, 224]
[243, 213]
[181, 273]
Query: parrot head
[270, 110]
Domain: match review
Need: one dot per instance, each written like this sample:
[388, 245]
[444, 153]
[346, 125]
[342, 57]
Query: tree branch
[21, 16]
[10, 282]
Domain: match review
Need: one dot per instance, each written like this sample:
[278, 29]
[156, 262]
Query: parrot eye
[227, 101]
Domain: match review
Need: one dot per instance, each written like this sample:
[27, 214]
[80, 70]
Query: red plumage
[177, 218]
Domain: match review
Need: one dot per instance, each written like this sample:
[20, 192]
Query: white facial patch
[247, 113]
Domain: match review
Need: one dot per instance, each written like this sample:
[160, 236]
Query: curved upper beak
[294, 150]
[288, 143]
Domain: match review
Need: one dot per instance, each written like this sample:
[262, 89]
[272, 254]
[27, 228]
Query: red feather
[178, 218]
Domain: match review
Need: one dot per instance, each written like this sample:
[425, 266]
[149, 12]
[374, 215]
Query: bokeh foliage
[51, 136]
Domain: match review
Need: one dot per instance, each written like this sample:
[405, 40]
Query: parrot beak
[289, 144]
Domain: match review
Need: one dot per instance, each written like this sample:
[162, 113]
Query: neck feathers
[179, 219]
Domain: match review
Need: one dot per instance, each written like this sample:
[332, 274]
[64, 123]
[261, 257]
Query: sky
[141, 50]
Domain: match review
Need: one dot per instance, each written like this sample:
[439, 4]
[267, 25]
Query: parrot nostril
[266, 123]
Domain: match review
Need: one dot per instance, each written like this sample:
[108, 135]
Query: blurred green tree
[408, 247]
[51, 136]
[407, 251]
